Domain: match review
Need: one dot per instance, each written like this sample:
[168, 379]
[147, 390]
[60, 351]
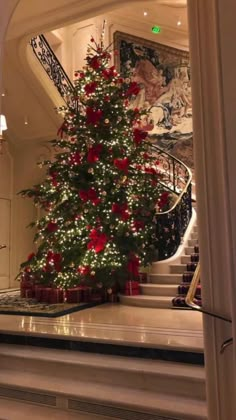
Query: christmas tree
[101, 191]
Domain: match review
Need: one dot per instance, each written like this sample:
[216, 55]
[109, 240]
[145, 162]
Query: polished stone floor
[116, 324]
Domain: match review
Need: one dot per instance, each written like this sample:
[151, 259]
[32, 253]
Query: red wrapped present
[37, 291]
[26, 288]
[132, 288]
[45, 294]
[74, 295]
[56, 295]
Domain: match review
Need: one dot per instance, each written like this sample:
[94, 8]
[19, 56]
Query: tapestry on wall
[164, 75]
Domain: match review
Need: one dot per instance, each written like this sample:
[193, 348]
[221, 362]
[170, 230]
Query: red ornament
[52, 227]
[94, 153]
[139, 136]
[90, 88]
[98, 240]
[122, 164]
[93, 115]
[133, 89]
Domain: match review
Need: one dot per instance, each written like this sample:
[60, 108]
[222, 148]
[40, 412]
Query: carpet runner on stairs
[187, 276]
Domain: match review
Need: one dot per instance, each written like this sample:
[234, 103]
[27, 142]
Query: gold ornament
[106, 121]
[92, 273]
[72, 265]
[123, 179]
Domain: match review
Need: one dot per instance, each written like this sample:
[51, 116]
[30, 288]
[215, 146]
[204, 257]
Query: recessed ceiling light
[145, 13]
[179, 23]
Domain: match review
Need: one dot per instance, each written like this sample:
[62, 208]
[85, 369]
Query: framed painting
[164, 76]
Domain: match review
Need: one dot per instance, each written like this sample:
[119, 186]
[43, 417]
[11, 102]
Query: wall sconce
[3, 127]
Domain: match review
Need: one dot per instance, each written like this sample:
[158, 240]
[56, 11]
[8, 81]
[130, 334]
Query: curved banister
[175, 175]
[53, 68]
[171, 224]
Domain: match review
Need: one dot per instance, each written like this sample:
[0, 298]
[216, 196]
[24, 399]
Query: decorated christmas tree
[101, 190]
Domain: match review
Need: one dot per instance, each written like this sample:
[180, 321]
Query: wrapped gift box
[56, 295]
[74, 295]
[132, 288]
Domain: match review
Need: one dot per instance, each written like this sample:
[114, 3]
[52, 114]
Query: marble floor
[116, 324]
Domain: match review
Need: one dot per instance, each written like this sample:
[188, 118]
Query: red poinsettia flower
[122, 210]
[52, 227]
[94, 153]
[53, 261]
[75, 158]
[133, 89]
[151, 171]
[93, 115]
[163, 200]
[89, 195]
[109, 73]
[90, 88]
[122, 164]
[98, 240]
[30, 256]
[139, 136]
[95, 62]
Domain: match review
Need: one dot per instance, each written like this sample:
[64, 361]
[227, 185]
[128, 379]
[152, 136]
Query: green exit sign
[156, 29]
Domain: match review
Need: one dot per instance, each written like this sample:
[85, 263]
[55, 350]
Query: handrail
[189, 300]
[191, 293]
[171, 224]
[53, 68]
[2, 246]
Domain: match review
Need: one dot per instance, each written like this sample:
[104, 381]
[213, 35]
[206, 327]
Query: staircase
[162, 288]
[98, 386]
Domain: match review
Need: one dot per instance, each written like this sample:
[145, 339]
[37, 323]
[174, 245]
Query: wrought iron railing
[175, 176]
[171, 224]
[53, 68]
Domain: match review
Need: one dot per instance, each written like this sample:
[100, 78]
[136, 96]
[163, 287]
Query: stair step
[169, 278]
[102, 384]
[189, 250]
[177, 268]
[192, 242]
[194, 235]
[147, 301]
[159, 289]
[195, 228]
[185, 259]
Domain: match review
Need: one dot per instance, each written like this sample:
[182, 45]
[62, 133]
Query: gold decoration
[106, 121]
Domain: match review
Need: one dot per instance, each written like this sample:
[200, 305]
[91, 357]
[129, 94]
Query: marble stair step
[194, 235]
[159, 289]
[192, 242]
[185, 259]
[195, 228]
[67, 371]
[164, 302]
[189, 250]
[169, 278]
[111, 401]
[177, 268]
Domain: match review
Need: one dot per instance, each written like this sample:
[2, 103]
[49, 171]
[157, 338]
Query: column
[213, 59]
